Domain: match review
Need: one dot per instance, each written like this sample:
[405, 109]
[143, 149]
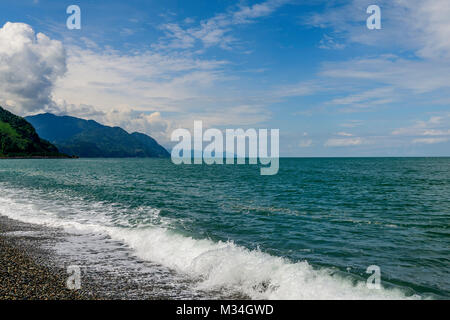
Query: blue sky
[309, 68]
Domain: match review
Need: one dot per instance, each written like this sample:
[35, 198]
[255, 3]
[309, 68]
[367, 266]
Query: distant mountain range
[88, 138]
[18, 139]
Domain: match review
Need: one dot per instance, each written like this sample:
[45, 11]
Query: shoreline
[33, 270]
[24, 275]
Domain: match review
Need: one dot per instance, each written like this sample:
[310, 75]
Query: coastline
[33, 270]
[23, 275]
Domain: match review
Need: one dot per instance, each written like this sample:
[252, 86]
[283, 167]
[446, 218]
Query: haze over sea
[308, 232]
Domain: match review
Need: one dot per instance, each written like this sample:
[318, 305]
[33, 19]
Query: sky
[311, 69]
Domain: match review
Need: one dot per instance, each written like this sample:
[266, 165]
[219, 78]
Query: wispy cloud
[365, 99]
[215, 31]
[431, 131]
[418, 25]
[328, 42]
[344, 134]
[398, 73]
[142, 79]
[352, 123]
[306, 143]
[431, 140]
[437, 125]
[416, 45]
[344, 142]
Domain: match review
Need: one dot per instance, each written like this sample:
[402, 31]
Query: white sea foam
[216, 265]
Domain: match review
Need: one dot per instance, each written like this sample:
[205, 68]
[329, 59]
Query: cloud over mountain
[30, 63]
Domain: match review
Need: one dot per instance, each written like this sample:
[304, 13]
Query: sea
[322, 228]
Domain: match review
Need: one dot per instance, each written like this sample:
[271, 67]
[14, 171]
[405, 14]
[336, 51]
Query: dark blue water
[309, 232]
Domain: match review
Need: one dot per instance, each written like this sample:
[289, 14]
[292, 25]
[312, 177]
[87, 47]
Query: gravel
[22, 277]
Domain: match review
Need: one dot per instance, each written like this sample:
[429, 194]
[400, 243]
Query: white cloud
[305, 143]
[431, 140]
[401, 74]
[29, 66]
[298, 89]
[143, 81]
[179, 38]
[437, 125]
[362, 99]
[328, 42]
[246, 14]
[344, 134]
[184, 87]
[419, 25]
[418, 29]
[150, 123]
[373, 83]
[431, 25]
[343, 142]
[434, 132]
[352, 124]
[216, 30]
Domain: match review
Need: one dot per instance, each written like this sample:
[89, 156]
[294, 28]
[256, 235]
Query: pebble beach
[22, 275]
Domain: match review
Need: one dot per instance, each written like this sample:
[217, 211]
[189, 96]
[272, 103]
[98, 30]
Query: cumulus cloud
[134, 121]
[151, 123]
[29, 66]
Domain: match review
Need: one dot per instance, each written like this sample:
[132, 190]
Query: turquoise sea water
[309, 232]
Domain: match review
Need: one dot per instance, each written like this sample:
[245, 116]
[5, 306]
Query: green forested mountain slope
[19, 139]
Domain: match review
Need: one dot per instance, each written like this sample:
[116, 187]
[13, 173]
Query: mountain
[90, 139]
[19, 139]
